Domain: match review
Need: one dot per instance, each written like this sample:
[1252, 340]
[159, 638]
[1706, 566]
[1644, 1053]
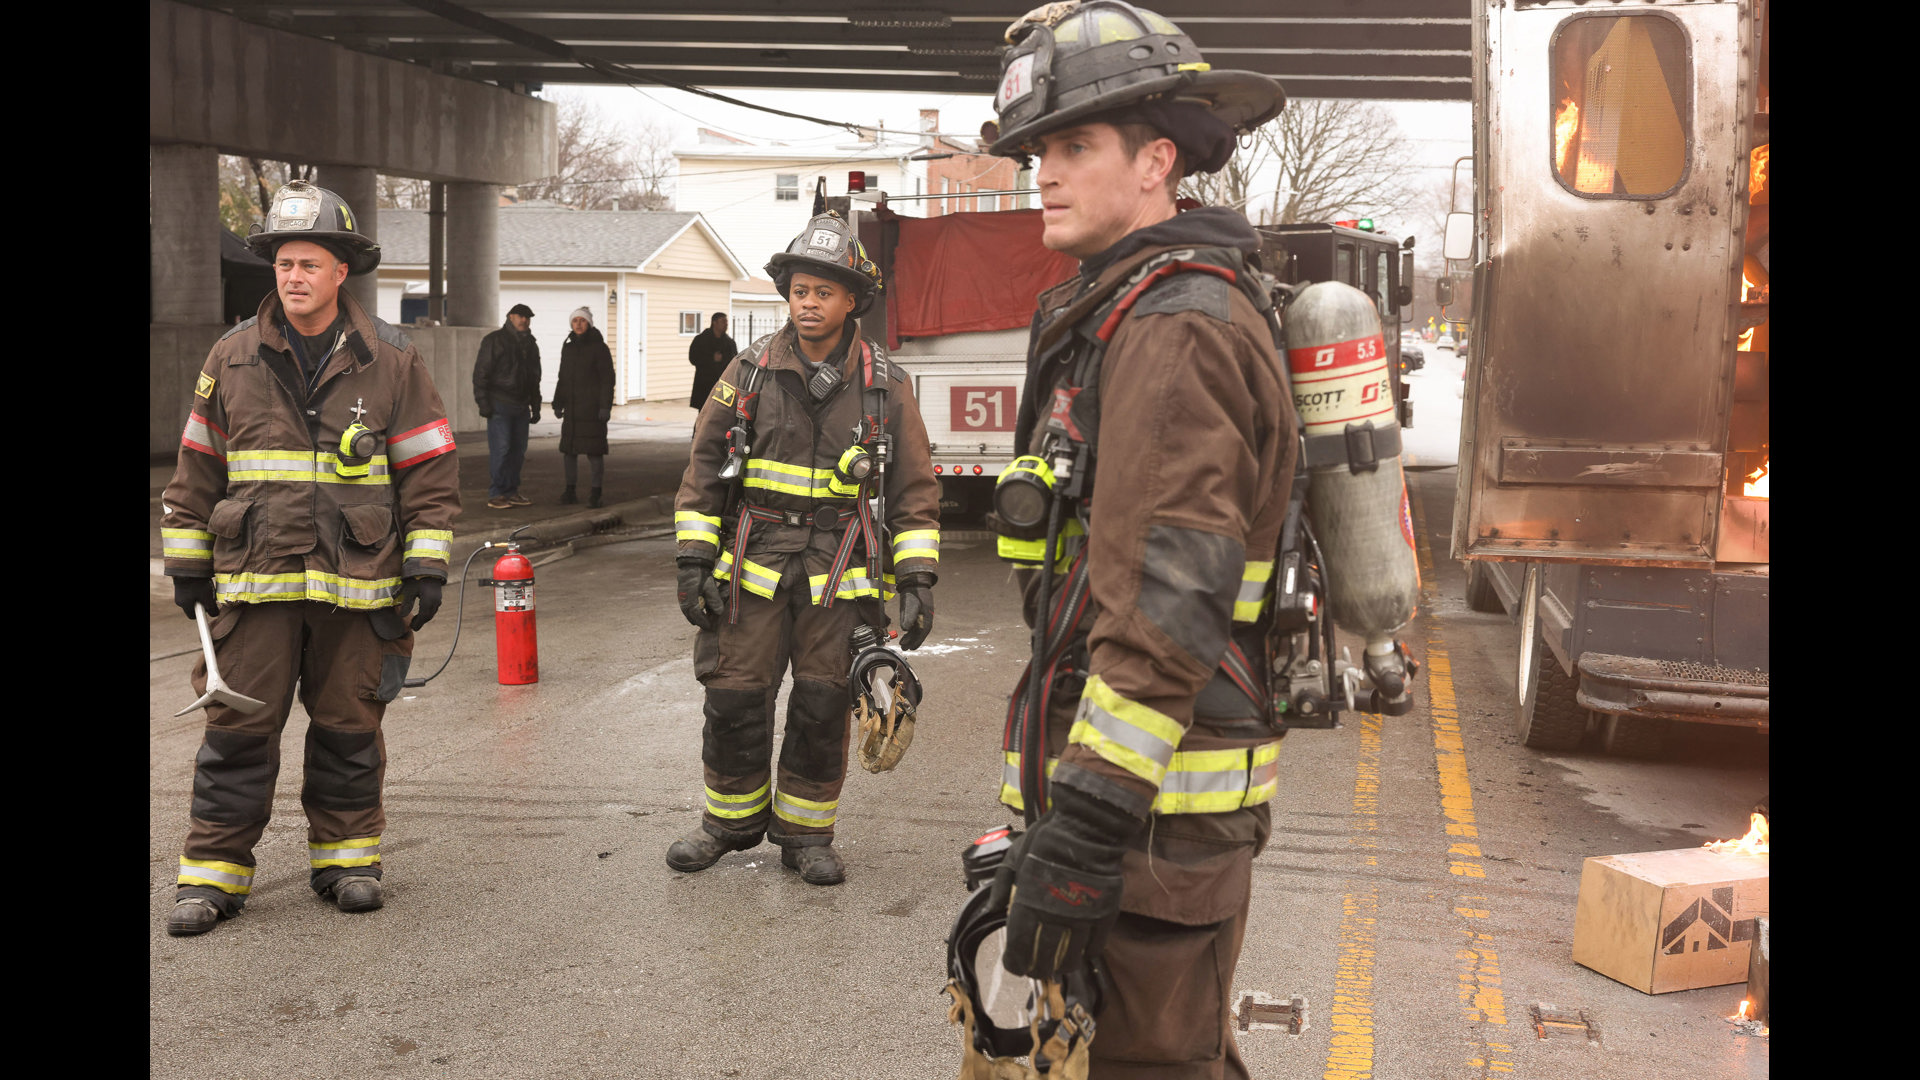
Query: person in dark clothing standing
[710, 353]
[584, 403]
[506, 386]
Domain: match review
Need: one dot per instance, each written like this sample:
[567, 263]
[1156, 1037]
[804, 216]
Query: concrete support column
[473, 254]
[360, 188]
[183, 262]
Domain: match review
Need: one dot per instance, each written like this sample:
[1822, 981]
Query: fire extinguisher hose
[458, 618]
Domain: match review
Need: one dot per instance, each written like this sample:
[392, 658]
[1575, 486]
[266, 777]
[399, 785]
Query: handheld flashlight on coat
[853, 467]
[357, 444]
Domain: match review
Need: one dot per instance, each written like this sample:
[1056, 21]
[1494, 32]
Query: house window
[786, 187]
[690, 323]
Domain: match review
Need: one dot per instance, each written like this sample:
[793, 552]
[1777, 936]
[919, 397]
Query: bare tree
[1336, 159]
[403, 192]
[600, 162]
[1236, 183]
[247, 186]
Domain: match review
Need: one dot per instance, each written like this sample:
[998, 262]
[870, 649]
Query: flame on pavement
[1754, 843]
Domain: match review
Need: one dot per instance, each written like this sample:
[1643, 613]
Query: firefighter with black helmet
[809, 500]
[1155, 393]
[312, 506]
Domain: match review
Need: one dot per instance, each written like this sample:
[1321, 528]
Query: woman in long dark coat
[584, 403]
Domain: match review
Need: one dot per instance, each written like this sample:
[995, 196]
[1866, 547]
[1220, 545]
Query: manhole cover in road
[1258, 1010]
[1554, 1022]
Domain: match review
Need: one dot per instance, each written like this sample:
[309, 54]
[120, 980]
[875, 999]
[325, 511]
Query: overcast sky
[1439, 131]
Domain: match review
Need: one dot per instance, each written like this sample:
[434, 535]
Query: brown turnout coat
[795, 447]
[257, 500]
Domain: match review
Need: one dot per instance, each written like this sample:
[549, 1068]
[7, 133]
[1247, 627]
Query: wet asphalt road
[533, 930]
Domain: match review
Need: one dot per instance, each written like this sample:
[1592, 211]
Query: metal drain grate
[1686, 669]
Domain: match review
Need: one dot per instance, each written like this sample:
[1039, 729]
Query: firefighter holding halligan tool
[808, 501]
[1159, 444]
[312, 506]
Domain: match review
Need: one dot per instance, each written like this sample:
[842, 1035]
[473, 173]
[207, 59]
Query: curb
[552, 532]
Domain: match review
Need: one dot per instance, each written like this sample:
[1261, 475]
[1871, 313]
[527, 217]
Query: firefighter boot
[818, 864]
[357, 893]
[568, 497]
[703, 847]
[192, 915]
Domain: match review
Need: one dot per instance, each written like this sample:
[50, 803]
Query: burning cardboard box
[1673, 920]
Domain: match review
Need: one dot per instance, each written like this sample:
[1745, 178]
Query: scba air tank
[1358, 496]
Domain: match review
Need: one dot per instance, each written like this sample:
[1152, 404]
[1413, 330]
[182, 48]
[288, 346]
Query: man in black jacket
[709, 353]
[506, 386]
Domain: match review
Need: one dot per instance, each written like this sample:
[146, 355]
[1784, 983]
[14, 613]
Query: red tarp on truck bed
[969, 272]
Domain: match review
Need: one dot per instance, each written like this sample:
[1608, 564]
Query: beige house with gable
[651, 279]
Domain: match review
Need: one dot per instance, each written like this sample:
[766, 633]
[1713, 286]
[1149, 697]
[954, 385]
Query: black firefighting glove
[701, 598]
[188, 591]
[916, 609]
[1061, 884]
[427, 591]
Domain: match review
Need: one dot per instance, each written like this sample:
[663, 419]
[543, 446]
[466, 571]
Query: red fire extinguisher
[515, 641]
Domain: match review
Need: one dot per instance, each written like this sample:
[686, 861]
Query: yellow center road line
[1476, 962]
[1350, 1053]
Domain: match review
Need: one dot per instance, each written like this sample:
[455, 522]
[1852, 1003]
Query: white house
[758, 197]
[651, 279]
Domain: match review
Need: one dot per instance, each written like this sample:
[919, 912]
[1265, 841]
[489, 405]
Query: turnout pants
[345, 674]
[1167, 972]
[741, 664]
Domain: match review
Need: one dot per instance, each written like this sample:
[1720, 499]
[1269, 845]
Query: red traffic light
[856, 182]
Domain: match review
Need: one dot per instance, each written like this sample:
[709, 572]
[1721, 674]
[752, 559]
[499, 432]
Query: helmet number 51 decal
[1016, 83]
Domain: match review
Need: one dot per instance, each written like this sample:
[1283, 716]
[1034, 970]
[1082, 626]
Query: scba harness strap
[1072, 423]
[869, 498]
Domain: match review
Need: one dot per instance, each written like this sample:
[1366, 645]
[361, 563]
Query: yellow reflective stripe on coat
[794, 479]
[731, 807]
[225, 876]
[286, 465]
[1133, 736]
[186, 544]
[1197, 781]
[1252, 597]
[758, 580]
[854, 584]
[364, 851]
[1010, 779]
[806, 812]
[301, 466]
[357, 593]
[918, 544]
[429, 544]
[691, 525]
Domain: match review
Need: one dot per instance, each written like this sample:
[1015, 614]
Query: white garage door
[551, 305]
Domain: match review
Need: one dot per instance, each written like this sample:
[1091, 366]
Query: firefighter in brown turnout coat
[809, 499]
[1156, 412]
[312, 505]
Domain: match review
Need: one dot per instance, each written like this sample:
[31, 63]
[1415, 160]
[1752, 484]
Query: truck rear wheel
[1480, 594]
[1546, 714]
[1634, 736]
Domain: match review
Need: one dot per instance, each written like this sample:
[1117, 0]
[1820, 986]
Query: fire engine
[1614, 447]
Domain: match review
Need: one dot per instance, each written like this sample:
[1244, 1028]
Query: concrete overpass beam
[473, 254]
[183, 262]
[360, 188]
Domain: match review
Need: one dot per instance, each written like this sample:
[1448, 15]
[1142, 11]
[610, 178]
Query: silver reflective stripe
[353, 592]
[326, 854]
[243, 468]
[327, 466]
[753, 574]
[422, 548]
[201, 433]
[264, 588]
[1265, 773]
[1250, 592]
[210, 874]
[1207, 781]
[412, 445]
[802, 815]
[1147, 745]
